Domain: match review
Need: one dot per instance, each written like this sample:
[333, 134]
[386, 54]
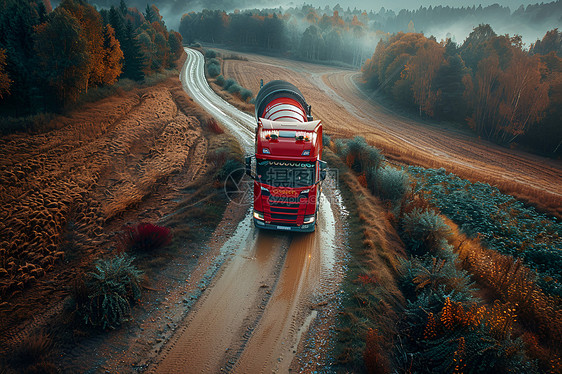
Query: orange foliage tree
[421, 71]
[113, 56]
[509, 92]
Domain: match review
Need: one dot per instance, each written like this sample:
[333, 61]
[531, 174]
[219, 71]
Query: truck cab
[287, 168]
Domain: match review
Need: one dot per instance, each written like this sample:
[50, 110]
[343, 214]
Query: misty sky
[397, 5]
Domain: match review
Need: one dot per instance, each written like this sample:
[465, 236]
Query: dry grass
[59, 189]
[374, 296]
[510, 281]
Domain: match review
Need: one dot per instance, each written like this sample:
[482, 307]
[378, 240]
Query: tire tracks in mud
[257, 307]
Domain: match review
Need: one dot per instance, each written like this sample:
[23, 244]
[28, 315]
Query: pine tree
[134, 59]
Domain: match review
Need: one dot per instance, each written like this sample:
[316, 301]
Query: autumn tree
[509, 94]
[551, 42]
[92, 31]
[112, 58]
[421, 70]
[62, 53]
[5, 80]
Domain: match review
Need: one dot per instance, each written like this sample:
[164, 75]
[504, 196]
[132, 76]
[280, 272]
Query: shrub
[424, 231]
[220, 80]
[326, 140]
[214, 127]
[246, 94]
[213, 61]
[103, 298]
[145, 237]
[340, 148]
[234, 88]
[374, 355]
[213, 70]
[32, 350]
[233, 168]
[209, 53]
[388, 183]
[229, 82]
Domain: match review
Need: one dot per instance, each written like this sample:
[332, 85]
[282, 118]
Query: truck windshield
[286, 173]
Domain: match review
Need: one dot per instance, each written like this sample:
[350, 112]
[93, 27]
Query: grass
[445, 321]
[372, 293]
[502, 223]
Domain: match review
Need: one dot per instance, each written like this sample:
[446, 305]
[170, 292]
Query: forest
[48, 58]
[491, 84]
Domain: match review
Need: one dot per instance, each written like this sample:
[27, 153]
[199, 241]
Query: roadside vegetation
[463, 307]
[229, 89]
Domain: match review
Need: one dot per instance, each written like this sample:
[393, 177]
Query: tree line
[489, 82]
[48, 58]
[300, 32]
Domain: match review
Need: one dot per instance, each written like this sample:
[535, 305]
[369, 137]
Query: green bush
[234, 88]
[233, 168]
[388, 183]
[220, 80]
[340, 148]
[213, 61]
[209, 53]
[246, 94]
[229, 82]
[326, 140]
[103, 298]
[424, 231]
[213, 70]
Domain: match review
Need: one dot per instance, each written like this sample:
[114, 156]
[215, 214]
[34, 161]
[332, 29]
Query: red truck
[287, 168]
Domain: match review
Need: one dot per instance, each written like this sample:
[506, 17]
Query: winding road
[347, 111]
[257, 310]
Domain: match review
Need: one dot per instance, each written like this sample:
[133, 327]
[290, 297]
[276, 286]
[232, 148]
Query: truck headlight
[258, 215]
[308, 219]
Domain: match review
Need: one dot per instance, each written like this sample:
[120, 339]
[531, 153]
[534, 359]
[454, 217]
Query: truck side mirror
[323, 169]
[249, 166]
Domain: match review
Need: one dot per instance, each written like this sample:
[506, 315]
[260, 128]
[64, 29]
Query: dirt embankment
[141, 155]
[346, 111]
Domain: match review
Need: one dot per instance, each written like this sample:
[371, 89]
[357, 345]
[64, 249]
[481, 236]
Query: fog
[530, 29]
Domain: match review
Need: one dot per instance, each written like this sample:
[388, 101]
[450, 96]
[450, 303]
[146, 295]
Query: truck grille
[284, 208]
[284, 217]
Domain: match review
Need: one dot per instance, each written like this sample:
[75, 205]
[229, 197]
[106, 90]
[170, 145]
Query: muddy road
[255, 314]
[347, 111]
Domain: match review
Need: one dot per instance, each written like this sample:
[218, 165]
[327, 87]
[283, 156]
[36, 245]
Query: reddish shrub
[214, 126]
[145, 237]
[374, 358]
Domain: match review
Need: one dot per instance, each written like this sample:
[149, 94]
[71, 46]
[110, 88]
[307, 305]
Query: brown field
[67, 192]
[346, 111]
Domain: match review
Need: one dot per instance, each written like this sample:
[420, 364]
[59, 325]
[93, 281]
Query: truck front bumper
[272, 226]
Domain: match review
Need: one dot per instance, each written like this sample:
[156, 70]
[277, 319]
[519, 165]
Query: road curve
[347, 111]
[258, 307]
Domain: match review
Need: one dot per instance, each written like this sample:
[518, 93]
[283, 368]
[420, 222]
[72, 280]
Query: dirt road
[258, 308]
[348, 111]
